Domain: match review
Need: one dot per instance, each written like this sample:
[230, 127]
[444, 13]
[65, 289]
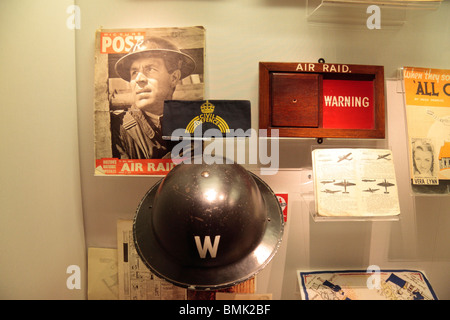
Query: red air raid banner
[114, 166]
[348, 104]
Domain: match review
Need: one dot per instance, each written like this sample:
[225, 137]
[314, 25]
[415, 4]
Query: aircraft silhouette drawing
[371, 190]
[327, 181]
[368, 180]
[345, 157]
[345, 184]
[384, 156]
[330, 191]
[385, 184]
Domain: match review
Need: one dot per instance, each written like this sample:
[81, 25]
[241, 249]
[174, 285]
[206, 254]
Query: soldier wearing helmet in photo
[153, 68]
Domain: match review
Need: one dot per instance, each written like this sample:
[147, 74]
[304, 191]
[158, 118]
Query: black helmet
[154, 46]
[208, 226]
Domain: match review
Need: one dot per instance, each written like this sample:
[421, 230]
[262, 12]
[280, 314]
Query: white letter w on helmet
[207, 246]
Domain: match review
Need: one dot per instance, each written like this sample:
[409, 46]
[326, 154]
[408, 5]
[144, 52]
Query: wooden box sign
[322, 100]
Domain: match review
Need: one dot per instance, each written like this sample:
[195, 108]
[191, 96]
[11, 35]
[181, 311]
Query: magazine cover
[427, 99]
[136, 70]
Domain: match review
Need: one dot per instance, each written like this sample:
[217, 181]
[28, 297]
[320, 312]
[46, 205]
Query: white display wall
[41, 218]
[53, 212]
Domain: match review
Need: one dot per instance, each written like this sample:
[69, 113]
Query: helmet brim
[169, 268]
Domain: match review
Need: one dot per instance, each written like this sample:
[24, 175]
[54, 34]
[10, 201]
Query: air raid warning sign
[322, 100]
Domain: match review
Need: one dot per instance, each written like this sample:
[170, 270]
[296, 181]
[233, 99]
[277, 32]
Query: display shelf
[443, 189]
[309, 200]
[318, 218]
[353, 12]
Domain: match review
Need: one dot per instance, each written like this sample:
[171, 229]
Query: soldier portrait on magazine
[136, 71]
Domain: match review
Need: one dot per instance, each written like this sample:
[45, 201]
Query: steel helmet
[208, 226]
[154, 46]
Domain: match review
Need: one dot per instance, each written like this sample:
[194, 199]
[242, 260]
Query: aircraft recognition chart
[355, 183]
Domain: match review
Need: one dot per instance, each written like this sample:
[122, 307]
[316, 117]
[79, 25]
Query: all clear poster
[427, 101]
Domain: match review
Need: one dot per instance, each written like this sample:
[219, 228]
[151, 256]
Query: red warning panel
[348, 104]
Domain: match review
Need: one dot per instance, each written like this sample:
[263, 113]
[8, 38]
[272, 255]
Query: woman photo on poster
[423, 157]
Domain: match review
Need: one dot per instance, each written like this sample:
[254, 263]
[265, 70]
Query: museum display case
[344, 56]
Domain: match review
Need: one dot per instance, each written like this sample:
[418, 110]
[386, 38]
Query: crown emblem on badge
[207, 107]
[207, 115]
